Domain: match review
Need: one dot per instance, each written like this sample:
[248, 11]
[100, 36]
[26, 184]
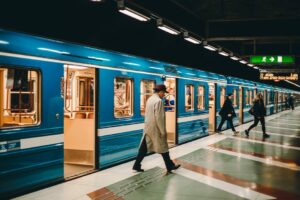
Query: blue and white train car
[68, 110]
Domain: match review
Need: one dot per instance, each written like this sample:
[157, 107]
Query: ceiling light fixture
[243, 61]
[223, 53]
[190, 39]
[234, 58]
[250, 65]
[166, 28]
[209, 47]
[131, 13]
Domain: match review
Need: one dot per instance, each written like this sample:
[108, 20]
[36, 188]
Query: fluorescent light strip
[255, 67]
[53, 50]
[243, 61]
[234, 58]
[211, 48]
[156, 68]
[250, 65]
[292, 83]
[98, 58]
[223, 53]
[129, 63]
[168, 29]
[134, 14]
[3, 42]
[192, 40]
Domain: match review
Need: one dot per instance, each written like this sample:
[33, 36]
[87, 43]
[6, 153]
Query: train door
[276, 102]
[79, 120]
[265, 97]
[241, 100]
[170, 108]
[212, 108]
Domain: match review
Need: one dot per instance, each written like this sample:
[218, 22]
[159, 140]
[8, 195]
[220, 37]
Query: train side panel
[32, 157]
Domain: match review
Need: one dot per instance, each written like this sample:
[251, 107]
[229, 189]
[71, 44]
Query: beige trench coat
[155, 125]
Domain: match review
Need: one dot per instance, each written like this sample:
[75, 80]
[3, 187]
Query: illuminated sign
[272, 60]
[271, 76]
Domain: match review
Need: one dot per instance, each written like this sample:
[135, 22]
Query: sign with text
[272, 59]
[274, 77]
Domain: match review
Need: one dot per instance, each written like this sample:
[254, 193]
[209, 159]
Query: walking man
[155, 134]
[259, 112]
[227, 113]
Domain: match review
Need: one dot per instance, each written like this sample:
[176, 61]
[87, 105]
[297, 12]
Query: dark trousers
[229, 119]
[142, 153]
[262, 122]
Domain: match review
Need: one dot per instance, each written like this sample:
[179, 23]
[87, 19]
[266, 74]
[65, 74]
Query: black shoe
[138, 169]
[174, 168]
[247, 133]
[266, 135]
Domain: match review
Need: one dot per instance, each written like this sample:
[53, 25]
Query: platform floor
[220, 166]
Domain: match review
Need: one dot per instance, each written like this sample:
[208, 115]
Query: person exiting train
[259, 112]
[227, 113]
[155, 134]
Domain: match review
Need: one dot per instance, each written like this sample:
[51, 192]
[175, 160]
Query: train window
[269, 98]
[189, 97]
[78, 88]
[201, 100]
[20, 99]
[251, 93]
[247, 97]
[123, 97]
[146, 92]
[234, 98]
[222, 96]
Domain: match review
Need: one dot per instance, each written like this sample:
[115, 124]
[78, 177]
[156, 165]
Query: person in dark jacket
[291, 102]
[259, 113]
[227, 113]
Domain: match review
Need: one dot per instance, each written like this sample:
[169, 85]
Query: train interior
[212, 108]
[79, 120]
[170, 108]
[19, 100]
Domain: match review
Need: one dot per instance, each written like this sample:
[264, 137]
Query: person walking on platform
[291, 102]
[258, 110]
[227, 113]
[155, 133]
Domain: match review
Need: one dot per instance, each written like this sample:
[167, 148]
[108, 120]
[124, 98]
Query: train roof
[24, 44]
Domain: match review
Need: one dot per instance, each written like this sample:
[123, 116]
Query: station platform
[220, 166]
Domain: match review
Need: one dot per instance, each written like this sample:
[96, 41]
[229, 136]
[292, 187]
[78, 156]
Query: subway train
[68, 110]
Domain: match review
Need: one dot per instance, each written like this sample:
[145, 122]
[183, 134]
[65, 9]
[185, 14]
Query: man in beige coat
[155, 133]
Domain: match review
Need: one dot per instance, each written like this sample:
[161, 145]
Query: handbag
[251, 111]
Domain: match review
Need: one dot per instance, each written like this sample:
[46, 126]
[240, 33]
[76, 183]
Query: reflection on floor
[71, 170]
[220, 166]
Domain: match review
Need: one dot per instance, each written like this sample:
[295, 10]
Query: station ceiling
[256, 27]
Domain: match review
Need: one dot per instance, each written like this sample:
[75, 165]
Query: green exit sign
[272, 60]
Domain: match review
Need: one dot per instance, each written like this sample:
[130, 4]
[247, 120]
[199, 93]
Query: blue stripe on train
[23, 170]
[191, 130]
[117, 148]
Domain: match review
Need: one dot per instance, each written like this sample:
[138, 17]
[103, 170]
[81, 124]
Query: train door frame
[173, 139]
[79, 157]
[212, 107]
[276, 101]
[241, 107]
[1, 97]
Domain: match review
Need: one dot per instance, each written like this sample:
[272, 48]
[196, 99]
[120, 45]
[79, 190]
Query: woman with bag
[227, 113]
[258, 110]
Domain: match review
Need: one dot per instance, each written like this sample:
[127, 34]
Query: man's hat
[229, 94]
[160, 87]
